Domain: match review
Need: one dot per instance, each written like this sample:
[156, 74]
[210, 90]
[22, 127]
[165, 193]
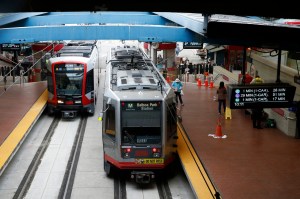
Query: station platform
[246, 163]
[20, 106]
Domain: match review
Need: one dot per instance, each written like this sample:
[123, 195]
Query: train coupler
[143, 177]
[69, 114]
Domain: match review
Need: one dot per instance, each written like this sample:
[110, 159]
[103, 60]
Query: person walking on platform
[177, 86]
[257, 112]
[222, 95]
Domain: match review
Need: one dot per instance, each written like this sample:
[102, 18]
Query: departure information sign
[275, 95]
[10, 47]
[192, 45]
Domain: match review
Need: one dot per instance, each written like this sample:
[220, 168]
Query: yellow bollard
[228, 113]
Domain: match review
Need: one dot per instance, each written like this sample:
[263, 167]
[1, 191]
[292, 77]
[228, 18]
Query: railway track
[70, 169]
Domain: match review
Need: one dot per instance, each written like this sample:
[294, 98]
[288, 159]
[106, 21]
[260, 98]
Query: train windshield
[141, 122]
[69, 78]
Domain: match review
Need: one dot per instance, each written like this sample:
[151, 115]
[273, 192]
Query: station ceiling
[267, 8]
[218, 29]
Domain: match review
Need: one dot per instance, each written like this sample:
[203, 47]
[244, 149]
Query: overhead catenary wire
[30, 68]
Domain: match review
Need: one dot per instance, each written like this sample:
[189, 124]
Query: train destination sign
[140, 106]
[269, 95]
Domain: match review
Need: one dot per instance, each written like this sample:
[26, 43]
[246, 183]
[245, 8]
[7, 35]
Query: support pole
[244, 66]
[278, 66]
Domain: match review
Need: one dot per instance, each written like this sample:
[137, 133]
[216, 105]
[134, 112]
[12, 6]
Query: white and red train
[72, 77]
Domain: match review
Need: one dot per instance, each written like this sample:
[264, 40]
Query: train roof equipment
[131, 69]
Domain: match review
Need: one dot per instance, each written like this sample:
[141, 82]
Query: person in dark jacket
[222, 95]
[257, 117]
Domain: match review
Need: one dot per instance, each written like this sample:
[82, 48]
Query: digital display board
[69, 67]
[10, 47]
[140, 106]
[192, 45]
[269, 95]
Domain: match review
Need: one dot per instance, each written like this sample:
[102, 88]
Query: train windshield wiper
[130, 137]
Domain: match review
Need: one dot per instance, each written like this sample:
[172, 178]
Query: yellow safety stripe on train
[9, 146]
[195, 172]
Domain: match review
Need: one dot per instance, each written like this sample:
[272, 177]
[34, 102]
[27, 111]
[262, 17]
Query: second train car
[139, 116]
[72, 77]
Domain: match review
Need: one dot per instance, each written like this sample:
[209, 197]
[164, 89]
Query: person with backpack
[177, 87]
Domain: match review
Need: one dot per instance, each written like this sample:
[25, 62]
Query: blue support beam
[13, 17]
[194, 22]
[96, 18]
[99, 32]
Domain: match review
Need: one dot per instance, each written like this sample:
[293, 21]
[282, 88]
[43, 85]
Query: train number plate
[150, 161]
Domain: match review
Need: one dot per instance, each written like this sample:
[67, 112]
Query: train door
[108, 135]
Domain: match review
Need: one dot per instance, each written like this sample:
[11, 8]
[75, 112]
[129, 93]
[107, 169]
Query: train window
[90, 81]
[68, 77]
[110, 119]
[171, 120]
[140, 126]
[141, 135]
[69, 83]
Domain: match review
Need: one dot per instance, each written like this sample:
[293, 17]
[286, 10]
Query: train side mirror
[109, 101]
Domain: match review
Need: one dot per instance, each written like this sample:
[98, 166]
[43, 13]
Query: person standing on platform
[177, 86]
[257, 112]
[257, 80]
[222, 95]
[257, 117]
[187, 73]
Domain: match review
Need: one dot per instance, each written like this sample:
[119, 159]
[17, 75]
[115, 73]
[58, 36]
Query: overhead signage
[271, 95]
[10, 47]
[192, 45]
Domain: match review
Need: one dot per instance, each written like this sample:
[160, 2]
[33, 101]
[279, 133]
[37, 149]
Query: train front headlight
[156, 155]
[77, 101]
[59, 101]
[127, 152]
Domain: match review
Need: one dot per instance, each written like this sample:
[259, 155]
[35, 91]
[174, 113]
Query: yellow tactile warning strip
[8, 148]
[195, 172]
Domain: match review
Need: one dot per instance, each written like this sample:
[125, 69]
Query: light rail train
[73, 80]
[139, 116]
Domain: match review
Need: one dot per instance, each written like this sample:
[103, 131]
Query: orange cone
[211, 85]
[218, 131]
[206, 83]
[199, 82]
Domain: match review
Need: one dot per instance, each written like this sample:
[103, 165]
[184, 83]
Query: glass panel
[69, 78]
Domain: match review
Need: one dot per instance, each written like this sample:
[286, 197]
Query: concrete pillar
[169, 56]
[154, 55]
